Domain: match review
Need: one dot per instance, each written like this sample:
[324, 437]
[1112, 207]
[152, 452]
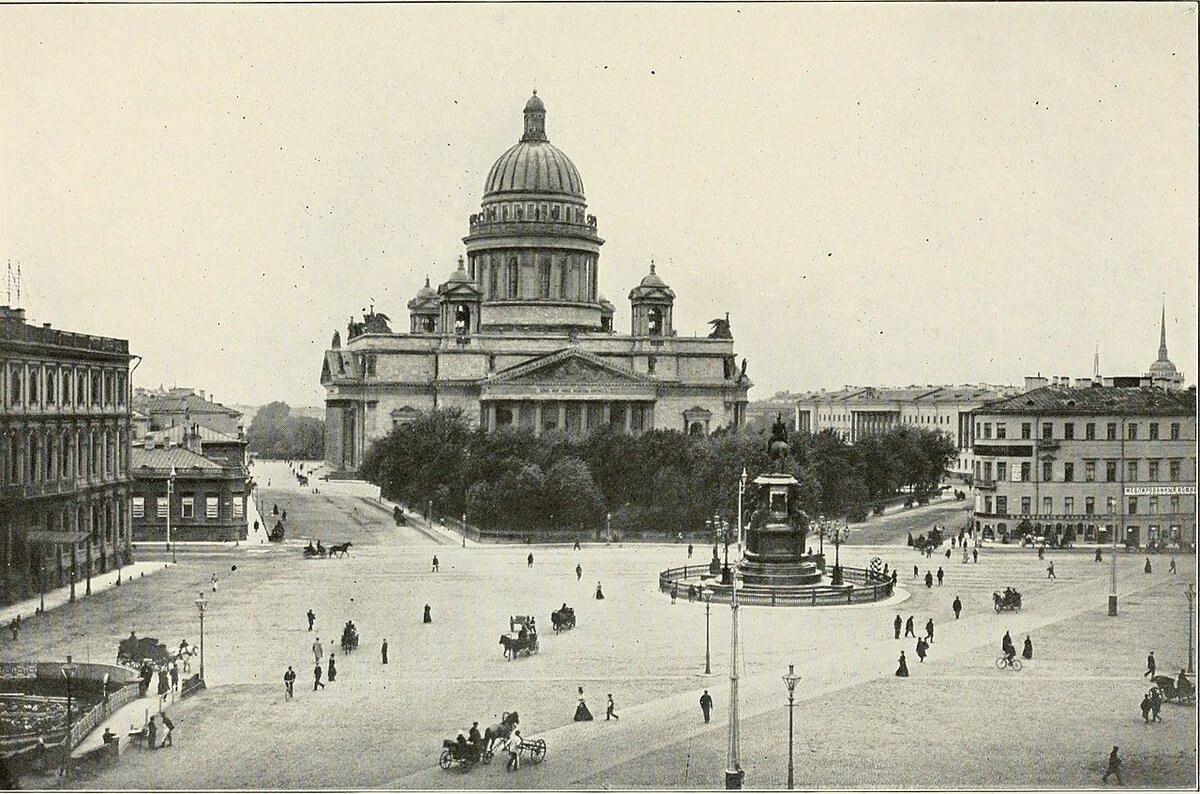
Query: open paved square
[957, 722]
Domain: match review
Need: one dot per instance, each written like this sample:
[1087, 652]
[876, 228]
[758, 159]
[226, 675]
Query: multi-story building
[520, 335]
[1079, 461]
[857, 412]
[202, 497]
[64, 455]
[183, 407]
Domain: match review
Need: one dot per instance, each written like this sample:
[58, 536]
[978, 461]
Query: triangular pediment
[569, 367]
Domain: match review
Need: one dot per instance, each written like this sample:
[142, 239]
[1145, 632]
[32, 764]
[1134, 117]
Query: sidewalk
[135, 713]
[61, 595]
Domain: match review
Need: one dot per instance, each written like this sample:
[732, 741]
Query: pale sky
[877, 194]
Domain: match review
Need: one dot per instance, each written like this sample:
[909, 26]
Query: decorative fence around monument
[868, 587]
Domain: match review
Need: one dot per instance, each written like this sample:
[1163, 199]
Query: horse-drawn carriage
[521, 637]
[562, 619]
[460, 751]
[1181, 690]
[349, 637]
[277, 532]
[133, 650]
[1010, 599]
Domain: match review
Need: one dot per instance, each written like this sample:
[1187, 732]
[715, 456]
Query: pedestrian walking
[1114, 767]
[599, 592]
[975, 555]
[916, 572]
[1098, 556]
[947, 554]
[435, 564]
[1027, 651]
[312, 618]
[170, 727]
[318, 651]
[674, 591]
[1050, 571]
[529, 559]
[164, 685]
[383, 651]
[214, 583]
[1147, 569]
[578, 572]
[1172, 569]
[582, 712]
[928, 579]
[941, 573]
[1041, 552]
[174, 676]
[428, 617]
[957, 607]
[897, 623]
[289, 683]
[285, 515]
[1156, 701]
[1149, 666]
[152, 734]
[929, 631]
[902, 670]
[1146, 704]
[611, 713]
[893, 578]
[908, 628]
[922, 646]
[332, 676]
[576, 544]
[512, 745]
[690, 549]
[317, 677]
[706, 705]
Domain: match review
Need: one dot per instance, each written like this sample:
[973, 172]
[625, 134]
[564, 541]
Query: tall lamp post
[741, 493]
[201, 603]
[464, 527]
[838, 536]
[791, 679]
[68, 672]
[733, 770]
[42, 593]
[821, 536]
[1117, 527]
[708, 656]
[1191, 597]
[170, 487]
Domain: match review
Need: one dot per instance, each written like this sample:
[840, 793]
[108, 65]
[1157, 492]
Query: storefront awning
[52, 536]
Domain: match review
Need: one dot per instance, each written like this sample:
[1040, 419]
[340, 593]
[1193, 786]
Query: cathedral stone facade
[519, 335]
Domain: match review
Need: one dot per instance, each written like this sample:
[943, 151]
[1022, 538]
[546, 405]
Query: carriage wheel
[537, 753]
[444, 761]
[1016, 665]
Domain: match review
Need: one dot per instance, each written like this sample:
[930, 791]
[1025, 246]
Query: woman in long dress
[902, 670]
[581, 711]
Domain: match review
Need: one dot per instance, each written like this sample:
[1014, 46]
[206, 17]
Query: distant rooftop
[180, 458]
[1098, 400]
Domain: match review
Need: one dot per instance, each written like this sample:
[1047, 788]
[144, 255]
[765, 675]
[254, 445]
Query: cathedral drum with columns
[519, 335]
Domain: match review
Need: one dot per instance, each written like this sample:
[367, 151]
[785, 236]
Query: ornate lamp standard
[741, 493]
[707, 655]
[201, 603]
[722, 528]
[734, 775]
[821, 527]
[1191, 597]
[838, 536]
[790, 680]
[170, 487]
[68, 671]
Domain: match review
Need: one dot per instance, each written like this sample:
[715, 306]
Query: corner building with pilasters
[520, 335]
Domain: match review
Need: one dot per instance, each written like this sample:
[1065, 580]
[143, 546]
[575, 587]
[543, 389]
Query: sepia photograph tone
[584, 396]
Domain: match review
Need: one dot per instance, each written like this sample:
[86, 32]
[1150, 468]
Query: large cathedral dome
[534, 165]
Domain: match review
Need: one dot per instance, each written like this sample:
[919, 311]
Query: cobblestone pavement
[956, 722]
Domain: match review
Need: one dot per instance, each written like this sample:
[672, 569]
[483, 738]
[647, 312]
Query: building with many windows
[64, 456]
[1078, 462]
[202, 497]
[857, 412]
[520, 336]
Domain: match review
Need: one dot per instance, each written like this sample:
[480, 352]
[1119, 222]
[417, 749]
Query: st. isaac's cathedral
[520, 335]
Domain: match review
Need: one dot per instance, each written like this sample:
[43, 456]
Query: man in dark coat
[383, 651]
[941, 575]
[1114, 767]
[929, 631]
[928, 579]
[317, 677]
[908, 627]
[1027, 651]
[289, 683]
[706, 705]
[957, 607]
[897, 624]
[152, 734]
[921, 648]
[1149, 666]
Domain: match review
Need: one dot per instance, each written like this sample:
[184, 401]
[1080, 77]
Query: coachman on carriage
[521, 637]
[562, 619]
[1010, 600]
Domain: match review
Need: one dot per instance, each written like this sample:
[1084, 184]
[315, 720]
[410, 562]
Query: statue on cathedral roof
[720, 328]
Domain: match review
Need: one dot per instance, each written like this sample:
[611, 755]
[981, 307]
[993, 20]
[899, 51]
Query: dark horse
[500, 731]
[340, 550]
[514, 645]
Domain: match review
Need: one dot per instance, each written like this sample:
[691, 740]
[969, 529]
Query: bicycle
[1004, 661]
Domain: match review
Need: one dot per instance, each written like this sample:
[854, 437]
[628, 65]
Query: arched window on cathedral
[428, 325]
[462, 320]
[514, 284]
[544, 277]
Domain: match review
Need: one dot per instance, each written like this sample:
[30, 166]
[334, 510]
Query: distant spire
[1162, 334]
[651, 264]
[1096, 364]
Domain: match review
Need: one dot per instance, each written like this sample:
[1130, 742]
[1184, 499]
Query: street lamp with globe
[201, 603]
[838, 536]
[707, 655]
[790, 680]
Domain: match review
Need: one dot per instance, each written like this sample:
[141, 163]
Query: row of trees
[275, 433]
[509, 480]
